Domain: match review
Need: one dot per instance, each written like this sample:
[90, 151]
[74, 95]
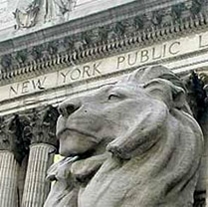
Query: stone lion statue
[128, 144]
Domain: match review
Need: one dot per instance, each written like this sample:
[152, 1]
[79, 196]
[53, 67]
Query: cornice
[100, 41]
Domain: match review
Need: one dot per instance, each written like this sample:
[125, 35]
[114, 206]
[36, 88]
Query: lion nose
[69, 107]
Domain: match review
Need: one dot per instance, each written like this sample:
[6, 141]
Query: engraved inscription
[27, 86]
[78, 73]
[108, 65]
[148, 55]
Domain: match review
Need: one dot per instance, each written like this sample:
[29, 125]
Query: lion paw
[118, 152]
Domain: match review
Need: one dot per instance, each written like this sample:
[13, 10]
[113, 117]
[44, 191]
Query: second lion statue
[128, 144]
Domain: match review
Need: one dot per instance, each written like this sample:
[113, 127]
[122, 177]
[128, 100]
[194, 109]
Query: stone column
[11, 154]
[42, 151]
[8, 179]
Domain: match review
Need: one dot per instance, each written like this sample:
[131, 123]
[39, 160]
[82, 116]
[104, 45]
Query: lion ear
[172, 95]
[179, 97]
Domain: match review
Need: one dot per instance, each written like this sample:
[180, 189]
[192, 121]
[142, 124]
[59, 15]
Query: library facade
[53, 50]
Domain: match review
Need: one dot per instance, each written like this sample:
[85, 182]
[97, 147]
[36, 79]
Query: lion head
[153, 143]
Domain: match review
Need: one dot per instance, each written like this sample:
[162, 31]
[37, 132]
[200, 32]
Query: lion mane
[154, 162]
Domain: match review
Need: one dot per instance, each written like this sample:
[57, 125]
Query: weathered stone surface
[134, 143]
[139, 28]
[14, 136]
[42, 150]
[57, 8]
[26, 13]
[36, 187]
[43, 125]
[14, 146]
[9, 178]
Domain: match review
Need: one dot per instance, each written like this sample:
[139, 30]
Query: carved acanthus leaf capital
[43, 125]
[13, 136]
[199, 199]
[196, 93]
[7, 137]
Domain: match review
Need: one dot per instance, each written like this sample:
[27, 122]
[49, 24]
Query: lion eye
[113, 97]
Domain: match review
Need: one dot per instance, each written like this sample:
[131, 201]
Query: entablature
[101, 34]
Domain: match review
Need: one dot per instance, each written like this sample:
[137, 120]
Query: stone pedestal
[36, 187]
[8, 181]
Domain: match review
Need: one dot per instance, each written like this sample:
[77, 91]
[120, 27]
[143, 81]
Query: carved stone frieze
[138, 22]
[21, 56]
[26, 15]
[188, 15]
[120, 28]
[36, 52]
[67, 42]
[14, 135]
[57, 8]
[64, 6]
[43, 125]
[6, 61]
[196, 7]
[177, 12]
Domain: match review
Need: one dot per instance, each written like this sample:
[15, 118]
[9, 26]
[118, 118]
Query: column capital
[14, 136]
[199, 199]
[43, 125]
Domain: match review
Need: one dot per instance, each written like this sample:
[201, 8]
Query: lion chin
[146, 146]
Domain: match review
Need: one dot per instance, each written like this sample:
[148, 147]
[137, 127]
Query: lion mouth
[63, 133]
[75, 142]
